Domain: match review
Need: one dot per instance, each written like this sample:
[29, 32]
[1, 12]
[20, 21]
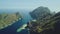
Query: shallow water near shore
[13, 28]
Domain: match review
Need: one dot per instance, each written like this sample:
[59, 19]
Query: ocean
[13, 28]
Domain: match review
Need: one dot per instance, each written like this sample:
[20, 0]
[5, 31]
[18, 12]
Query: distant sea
[12, 29]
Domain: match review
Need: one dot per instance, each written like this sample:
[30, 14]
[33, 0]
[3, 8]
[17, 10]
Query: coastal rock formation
[46, 22]
[8, 19]
[40, 12]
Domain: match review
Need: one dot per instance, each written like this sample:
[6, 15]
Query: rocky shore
[8, 19]
[44, 21]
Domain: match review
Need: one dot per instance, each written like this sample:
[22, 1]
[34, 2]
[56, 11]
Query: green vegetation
[40, 12]
[8, 19]
[45, 20]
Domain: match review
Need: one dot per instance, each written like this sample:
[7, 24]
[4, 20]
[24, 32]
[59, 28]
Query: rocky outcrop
[40, 12]
[46, 22]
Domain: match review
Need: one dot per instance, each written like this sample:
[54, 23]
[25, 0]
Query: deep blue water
[12, 29]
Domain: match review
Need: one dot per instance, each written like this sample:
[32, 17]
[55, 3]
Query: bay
[12, 29]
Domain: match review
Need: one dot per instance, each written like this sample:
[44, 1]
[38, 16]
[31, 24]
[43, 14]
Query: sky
[53, 5]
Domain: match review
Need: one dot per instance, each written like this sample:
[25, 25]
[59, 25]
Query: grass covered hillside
[8, 19]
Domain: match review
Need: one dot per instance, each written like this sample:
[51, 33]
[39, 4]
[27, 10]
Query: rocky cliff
[45, 23]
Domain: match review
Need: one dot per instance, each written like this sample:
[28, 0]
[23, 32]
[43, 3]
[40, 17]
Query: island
[7, 19]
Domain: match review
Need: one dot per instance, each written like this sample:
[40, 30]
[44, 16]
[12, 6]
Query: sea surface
[13, 28]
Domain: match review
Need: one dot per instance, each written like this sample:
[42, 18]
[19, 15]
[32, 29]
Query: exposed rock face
[46, 23]
[40, 12]
[56, 23]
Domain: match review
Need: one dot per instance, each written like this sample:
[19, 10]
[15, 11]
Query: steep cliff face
[46, 22]
[54, 23]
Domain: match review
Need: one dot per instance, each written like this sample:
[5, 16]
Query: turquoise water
[13, 28]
